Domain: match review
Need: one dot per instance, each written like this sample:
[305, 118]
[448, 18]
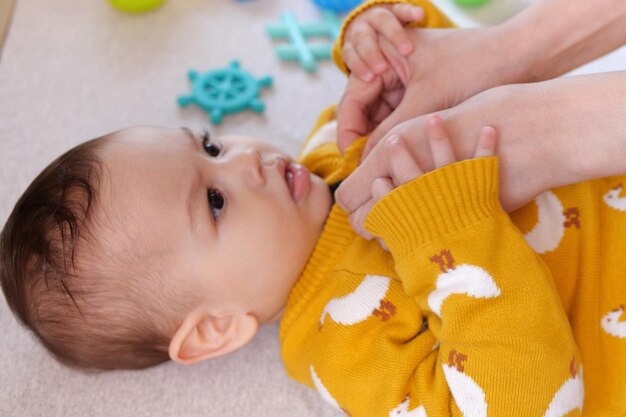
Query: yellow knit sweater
[472, 312]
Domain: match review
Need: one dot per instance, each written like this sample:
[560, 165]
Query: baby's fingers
[401, 164]
[407, 13]
[356, 64]
[393, 29]
[440, 146]
[486, 145]
[362, 37]
[358, 216]
[380, 187]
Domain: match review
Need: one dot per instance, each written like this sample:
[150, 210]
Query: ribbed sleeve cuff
[437, 203]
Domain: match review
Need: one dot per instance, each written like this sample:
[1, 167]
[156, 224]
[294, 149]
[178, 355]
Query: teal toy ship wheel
[225, 90]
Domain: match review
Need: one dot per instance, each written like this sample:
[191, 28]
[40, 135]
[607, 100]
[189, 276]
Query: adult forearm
[551, 37]
[551, 133]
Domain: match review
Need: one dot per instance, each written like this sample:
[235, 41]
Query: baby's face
[233, 218]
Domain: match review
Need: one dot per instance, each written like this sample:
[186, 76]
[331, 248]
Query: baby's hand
[402, 167]
[361, 49]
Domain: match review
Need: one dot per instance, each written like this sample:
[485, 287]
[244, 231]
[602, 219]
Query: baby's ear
[203, 335]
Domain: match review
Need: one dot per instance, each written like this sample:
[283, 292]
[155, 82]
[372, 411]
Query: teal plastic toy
[299, 48]
[337, 6]
[224, 91]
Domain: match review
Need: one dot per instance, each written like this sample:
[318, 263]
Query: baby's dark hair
[60, 284]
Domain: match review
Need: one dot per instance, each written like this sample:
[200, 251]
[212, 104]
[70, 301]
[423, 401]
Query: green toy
[225, 90]
[135, 6]
[470, 3]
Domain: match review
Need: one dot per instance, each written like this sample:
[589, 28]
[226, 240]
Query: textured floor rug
[75, 69]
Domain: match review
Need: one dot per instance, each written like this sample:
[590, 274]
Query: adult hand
[548, 137]
[400, 165]
[446, 67]
[450, 65]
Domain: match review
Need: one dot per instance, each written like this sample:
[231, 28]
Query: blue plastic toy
[299, 48]
[225, 90]
[337, 6]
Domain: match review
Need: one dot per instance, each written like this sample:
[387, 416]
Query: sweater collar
[335, 238]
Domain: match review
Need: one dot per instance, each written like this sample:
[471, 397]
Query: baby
[94, 262]
[151, 244]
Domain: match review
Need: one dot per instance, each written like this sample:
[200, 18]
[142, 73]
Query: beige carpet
[6, 11]
[75, 69]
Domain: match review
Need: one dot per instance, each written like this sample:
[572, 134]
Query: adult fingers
[440, 145]
[486, 145]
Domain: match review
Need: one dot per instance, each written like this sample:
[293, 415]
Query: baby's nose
[251, 154]
[250, 160]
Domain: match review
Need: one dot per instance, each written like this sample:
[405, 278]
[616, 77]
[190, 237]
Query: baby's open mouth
[289, 179]
[298, 180]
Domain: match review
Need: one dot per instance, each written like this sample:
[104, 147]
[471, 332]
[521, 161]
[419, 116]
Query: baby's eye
[216, 202]
[210, 148]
